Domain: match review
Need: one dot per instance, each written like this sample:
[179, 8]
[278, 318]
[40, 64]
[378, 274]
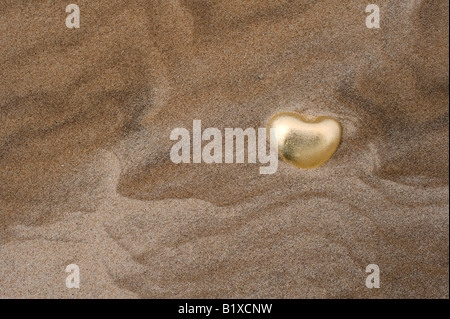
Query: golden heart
[303, 142]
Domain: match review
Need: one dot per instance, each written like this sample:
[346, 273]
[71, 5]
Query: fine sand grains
[86, 176]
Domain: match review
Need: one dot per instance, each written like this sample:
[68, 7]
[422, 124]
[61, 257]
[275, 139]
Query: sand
[86, 177]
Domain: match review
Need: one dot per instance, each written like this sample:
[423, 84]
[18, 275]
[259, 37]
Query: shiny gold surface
[303, 142]
[85, 170]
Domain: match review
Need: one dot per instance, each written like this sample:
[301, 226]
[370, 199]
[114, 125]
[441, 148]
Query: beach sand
[86, 177]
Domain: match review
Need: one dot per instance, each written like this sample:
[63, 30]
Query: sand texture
[86, 177]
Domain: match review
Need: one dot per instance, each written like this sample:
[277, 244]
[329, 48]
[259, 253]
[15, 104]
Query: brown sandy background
[85, 174]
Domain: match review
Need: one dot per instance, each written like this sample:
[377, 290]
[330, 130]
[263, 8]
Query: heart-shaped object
[304, 142]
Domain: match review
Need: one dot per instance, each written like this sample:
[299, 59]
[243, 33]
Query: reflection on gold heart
[303, 142]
